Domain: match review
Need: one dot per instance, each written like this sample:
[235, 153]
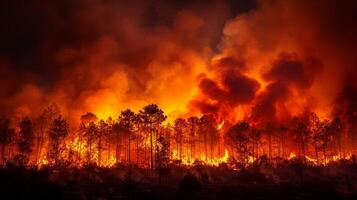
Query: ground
[290, 180]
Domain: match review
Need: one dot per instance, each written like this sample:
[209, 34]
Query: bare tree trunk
[117, 152]
[99, 150]
[181, 146]
[137, 151]
[129, 149]
[177, 148]
[151, 153]
[316, 151]
[283, 146]
[39, 146]
[205, 143]
[212, 149]
[339, 146]
[302, 147]
[269, 146]
[325, 160]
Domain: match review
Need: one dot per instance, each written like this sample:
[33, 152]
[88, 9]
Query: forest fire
[261, 92]
[143, 140]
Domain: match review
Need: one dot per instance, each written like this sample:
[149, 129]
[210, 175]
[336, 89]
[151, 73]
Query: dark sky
[33, 31]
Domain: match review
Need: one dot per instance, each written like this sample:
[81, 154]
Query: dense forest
[146, 140]
[140, 155]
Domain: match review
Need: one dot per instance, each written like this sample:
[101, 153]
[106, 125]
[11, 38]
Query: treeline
[142, 139]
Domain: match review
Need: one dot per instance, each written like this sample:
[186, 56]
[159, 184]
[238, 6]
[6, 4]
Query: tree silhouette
[57, 133]
[6, 136]
[282, 131]
[335, 129]
[128, 119]
[269, 130]
[25, 140]
[238, 137]
[208, 133]
[162, 156]
[254, 136]
[89, 131]
[117, 136]
[193, 124]
[179, 127]
[300, 128]
[91, 135]
[103, 133]
[152, 116]
[42, 124]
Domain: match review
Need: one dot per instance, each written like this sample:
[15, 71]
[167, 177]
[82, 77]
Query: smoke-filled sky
[267, 60]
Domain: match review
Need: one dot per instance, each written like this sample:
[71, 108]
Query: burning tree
[301, 132]
[57, 133]
[42, 125]
[193, 124]
[237, 137]
[208, 133]
[162, 156]
[179, 128]
[152, 117]
[117, 137]
[320, 135]
[128, 119]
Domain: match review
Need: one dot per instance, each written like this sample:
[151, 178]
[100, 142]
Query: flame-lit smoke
[272, 61]
[282, 59]
[269, 57]
[105, 56]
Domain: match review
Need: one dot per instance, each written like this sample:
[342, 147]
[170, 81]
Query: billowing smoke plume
[105, 56]
[263, 60]
[284, 58]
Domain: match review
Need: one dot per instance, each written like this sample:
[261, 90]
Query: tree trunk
[151, 153]
[129, 149]
[302, 146]
[269, 146]
[205, 143]
[137, 151]
[316, 151]
[117, 152]
[99, 150]
[283, 146]
[325, 160]
[339, 147]
[39, 146]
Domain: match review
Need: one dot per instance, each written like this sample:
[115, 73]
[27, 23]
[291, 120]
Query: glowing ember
[220, 125]
[292, 156]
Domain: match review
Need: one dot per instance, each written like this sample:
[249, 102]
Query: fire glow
[185, 91]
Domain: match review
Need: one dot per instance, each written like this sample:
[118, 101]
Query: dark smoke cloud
[240, 88]
[231, 89]
[287, 73]
[211, 89]
[301, 52]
